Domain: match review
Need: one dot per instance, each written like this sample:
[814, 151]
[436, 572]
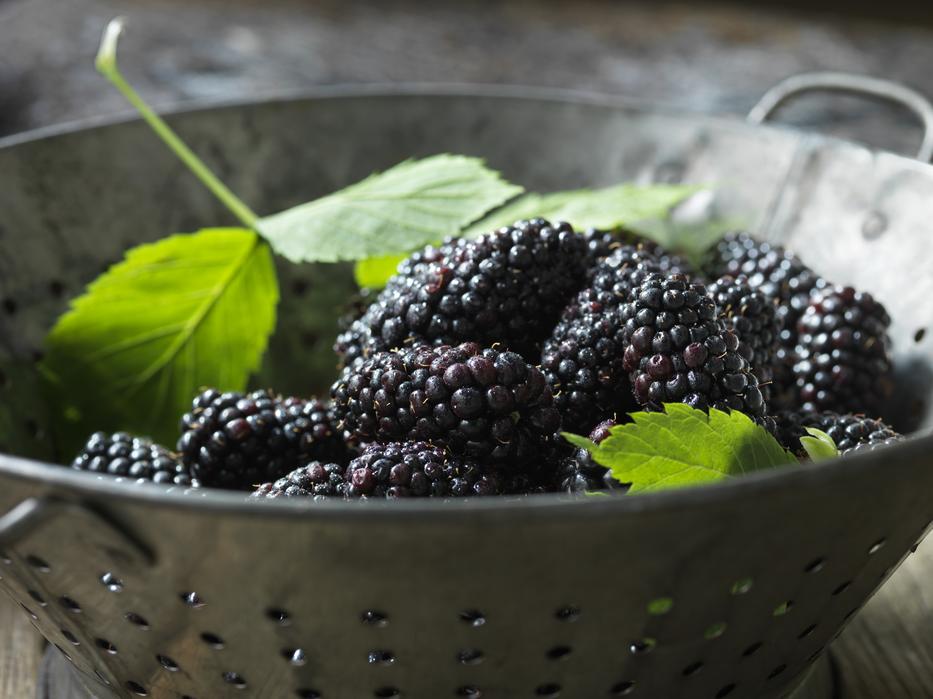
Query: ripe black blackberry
[316, 480]
[418, 469]
[506, 287]
[232, 440]
[851, 433]
[601, 244]
[582, 358]
[782, 277]
[122, 454]
[483, 403]
[843, 360]
[579, 473]
[677, 350]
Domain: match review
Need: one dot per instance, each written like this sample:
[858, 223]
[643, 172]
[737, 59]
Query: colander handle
[847, 83]
[33, 513]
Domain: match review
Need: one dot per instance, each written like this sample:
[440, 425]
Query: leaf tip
[106, 60]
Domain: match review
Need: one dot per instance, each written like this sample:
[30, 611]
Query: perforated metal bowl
[730, 590]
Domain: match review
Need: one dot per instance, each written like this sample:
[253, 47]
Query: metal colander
[729, 590]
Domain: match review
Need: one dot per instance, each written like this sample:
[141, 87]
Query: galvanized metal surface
[761, 573]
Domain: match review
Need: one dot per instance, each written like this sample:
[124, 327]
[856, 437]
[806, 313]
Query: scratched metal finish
[541, 597]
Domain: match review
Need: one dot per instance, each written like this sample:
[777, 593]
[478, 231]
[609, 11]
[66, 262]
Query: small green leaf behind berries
[819, 445]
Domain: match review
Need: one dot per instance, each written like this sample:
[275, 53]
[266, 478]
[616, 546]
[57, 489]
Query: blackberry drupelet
[579, 473]
[786, 280]
[316, 480]
[851, 433]
[484, 403]
[582, 358]
[121, 454]
[677, 350]
[418, 469]
[232, 440]
[506, 287]
[843, 359]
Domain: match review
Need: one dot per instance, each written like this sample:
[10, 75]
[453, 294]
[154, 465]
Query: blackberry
[483, 403]
[505, 287]
[316, 480]
[601, 244]
[677, 350]
[851, 433]
[418, 469]
[843, 360]
[789, 427]
[579, 473]
[783, 278]
[582, 358]
[232, 440]
[124, 455]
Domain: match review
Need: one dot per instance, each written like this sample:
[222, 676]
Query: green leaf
[410, 205]
[374, 272]
[607, 208]
[578, 441]
[692, 240]
[819, 445]
[684, 446]
[186, 312]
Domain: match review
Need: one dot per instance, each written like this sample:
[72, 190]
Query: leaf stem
[106, 64]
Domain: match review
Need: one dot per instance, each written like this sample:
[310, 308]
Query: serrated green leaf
[819, 445]
[684, 446]
[374, 272]
[610, 207]
[410, 205]
[185, 312]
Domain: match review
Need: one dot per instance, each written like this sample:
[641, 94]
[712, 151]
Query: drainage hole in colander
[568, 613]
[548, 690]
[469, 691]
[56, 288]
[32, 428]
[213, 640]
[279, 616]
[307, 694]
[192, 599]
[295, 656]
[470, 656]
[105, 646]
[137, 620]
[815, 566]
[381, 657]
[715, 631]
[387, 693]
[642, 646]
[111, 582]
[29, 611]
[783, 608]
[919, 335]
[9, 306]
[752, 649]
[806, 632]
[37, 563]
[235, 679]
[725, 691]
[186, 696]
[777, 671]
[622, 689]
[660, 606]
[37, 597]
[136, 688]
[70, 637]
[373, 618]
[70, 605]
[559, 652]
[167, 663]
[842, 588]
[101, 677]
[692, 669]
[876, 547]
[473, 617]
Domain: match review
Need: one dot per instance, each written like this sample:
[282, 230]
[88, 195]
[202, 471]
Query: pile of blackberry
[458, 378]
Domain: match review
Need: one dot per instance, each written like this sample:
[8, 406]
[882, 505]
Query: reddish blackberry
[677, 350]
[582, 358]
[782, 277]
[580, 473]
[850, 432]
[505, 287]
[124, 455]
[316, 480]
[232, 440]
[843, 361]
[418, 469]
[483, 403]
